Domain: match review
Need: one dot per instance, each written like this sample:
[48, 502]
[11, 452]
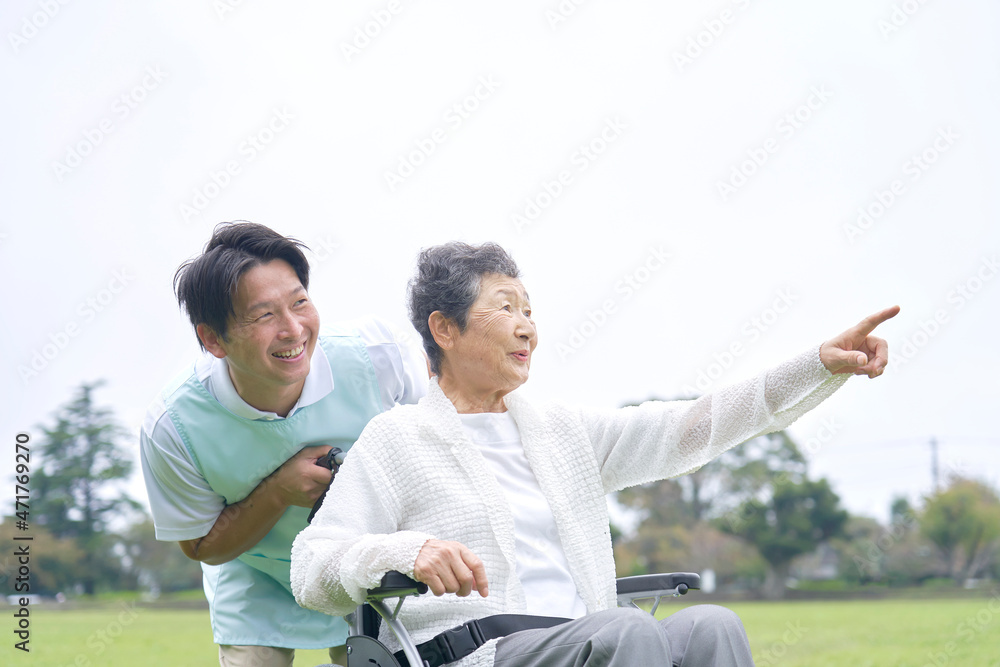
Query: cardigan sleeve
[661, 439]
[353, 540]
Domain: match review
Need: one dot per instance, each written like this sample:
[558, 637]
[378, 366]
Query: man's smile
[290, 354]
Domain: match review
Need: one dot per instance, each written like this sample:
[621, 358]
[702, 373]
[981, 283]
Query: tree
[896, 554]
[56, 564]
[794, 520]
[736, 493]
[860, 550]
[77, 497]
[963, 522]
[735, 476]
[744, 472]
[157, 565]
[674, 531]
[901, 512]
[659, 503]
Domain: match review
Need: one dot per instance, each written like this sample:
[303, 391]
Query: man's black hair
[205, 286]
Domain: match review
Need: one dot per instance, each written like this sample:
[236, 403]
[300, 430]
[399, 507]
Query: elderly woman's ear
[444, 330]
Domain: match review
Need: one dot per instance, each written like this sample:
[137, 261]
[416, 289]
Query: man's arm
[298, 482]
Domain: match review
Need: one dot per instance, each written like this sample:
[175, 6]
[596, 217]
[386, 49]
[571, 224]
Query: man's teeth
[291, 353]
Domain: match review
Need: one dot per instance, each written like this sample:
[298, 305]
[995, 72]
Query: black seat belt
[460, 641]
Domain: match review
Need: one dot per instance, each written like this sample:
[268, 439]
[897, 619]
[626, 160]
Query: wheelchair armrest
[655, 586]
[393, 585]
[396, 585]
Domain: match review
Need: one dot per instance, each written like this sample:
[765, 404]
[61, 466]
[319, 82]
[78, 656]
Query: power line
[977, 441]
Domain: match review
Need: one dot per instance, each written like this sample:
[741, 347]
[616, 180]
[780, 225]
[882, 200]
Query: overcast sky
[694, 192]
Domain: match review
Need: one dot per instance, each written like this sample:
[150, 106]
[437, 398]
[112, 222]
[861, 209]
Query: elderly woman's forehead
[496, 284]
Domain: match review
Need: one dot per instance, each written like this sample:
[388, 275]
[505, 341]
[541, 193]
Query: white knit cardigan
[414, 475]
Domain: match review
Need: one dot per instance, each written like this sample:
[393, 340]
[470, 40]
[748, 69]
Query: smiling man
[229, 449]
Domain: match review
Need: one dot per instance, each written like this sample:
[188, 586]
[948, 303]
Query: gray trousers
[700, 636]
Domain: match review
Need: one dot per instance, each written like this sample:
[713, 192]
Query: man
[229, 449]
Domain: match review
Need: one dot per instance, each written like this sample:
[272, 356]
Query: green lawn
[123, 637]
[881, 633]
[902, 633]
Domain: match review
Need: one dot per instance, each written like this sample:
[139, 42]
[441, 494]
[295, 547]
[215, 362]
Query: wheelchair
[365, 650]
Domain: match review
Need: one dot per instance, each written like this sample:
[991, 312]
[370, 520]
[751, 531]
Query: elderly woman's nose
[525, 327]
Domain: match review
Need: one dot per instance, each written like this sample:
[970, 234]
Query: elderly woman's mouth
[521, 355]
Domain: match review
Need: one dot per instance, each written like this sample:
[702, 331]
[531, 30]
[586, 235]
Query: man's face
[271, 337]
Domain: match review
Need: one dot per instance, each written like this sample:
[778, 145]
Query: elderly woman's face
[495, 349]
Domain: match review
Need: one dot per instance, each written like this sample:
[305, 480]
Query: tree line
[88, 535]
[756, 519]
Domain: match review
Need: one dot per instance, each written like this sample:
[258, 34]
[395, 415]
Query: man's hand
[854, 351]
[450, 567]
[299, 481]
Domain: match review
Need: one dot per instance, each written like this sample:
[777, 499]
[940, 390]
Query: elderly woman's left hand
[855, 351]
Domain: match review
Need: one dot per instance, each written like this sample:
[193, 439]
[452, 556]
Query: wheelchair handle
[332, 461]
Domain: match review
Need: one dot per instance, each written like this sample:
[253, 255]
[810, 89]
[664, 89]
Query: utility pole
[934, 463]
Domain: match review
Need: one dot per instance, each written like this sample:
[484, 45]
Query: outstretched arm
[664, 439]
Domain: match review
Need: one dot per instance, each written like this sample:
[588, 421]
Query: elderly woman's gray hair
[448, 279]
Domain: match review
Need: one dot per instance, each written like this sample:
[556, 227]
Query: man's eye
[301, 301]
[261, 317]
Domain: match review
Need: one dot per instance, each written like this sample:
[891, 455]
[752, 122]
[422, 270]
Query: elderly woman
[481, 493]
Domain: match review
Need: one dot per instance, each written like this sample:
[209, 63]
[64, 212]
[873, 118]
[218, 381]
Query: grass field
[900, 633]
[882, 633]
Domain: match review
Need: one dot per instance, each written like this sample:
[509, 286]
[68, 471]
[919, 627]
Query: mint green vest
[250, 598]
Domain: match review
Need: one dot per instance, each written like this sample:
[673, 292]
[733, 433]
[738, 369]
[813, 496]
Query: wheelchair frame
[364, 650]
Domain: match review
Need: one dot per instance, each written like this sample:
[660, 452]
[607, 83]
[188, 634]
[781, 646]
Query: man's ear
[211, 340]
[442, 329]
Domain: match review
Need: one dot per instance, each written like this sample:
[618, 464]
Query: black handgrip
[331, 461]
[397, 584]
[659, 582]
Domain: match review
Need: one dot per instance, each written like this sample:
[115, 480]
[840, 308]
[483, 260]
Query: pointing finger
[867, 325]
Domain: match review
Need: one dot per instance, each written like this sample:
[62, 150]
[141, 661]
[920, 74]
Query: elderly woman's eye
[507, 308]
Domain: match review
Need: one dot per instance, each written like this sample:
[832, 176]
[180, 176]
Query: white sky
[94, 185]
